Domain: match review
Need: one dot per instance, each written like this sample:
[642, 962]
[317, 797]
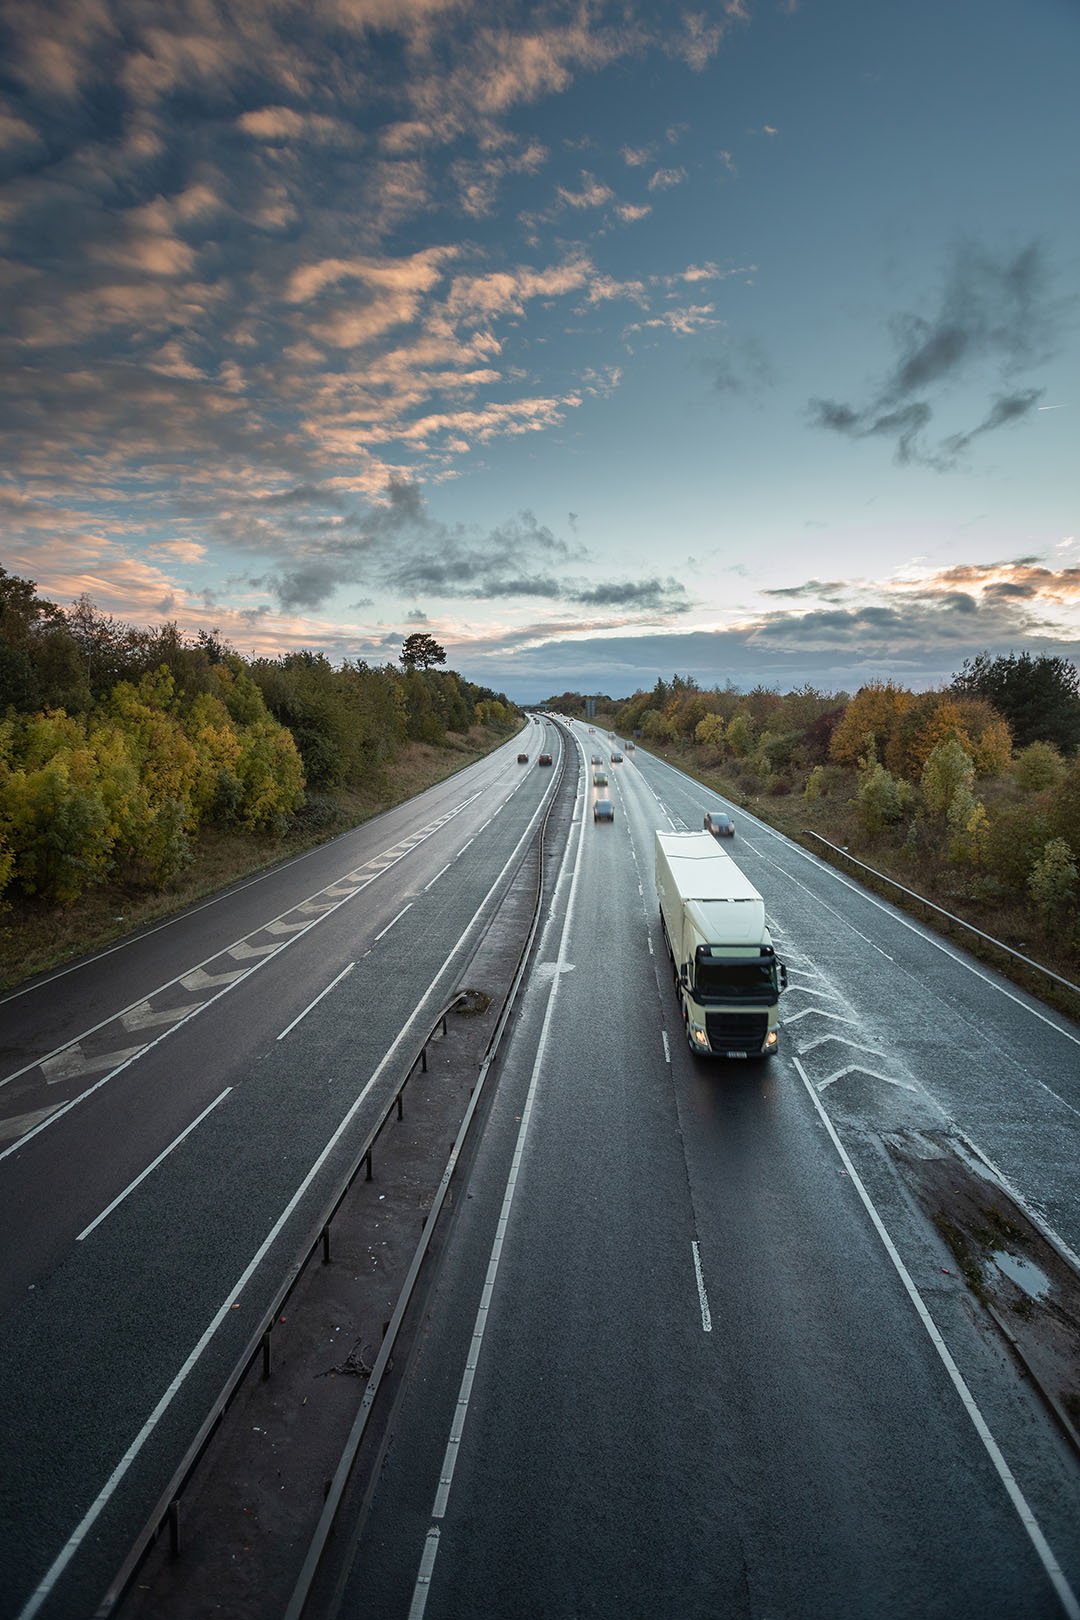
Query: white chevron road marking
[857, 1068]
[146, 1017]
[73, 1060]
[242, 950]
[21, 1123]
[199, 979]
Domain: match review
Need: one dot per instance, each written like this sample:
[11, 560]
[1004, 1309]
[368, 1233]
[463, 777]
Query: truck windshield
[717, 980]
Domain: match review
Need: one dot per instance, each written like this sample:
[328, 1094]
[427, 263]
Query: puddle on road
[1028, 1277]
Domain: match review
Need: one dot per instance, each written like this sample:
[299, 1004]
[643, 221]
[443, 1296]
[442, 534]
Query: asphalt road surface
[691, 1349]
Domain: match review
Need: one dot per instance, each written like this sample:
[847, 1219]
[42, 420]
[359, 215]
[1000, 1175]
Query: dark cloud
[661, 595]
[1008, 408]
[989, 308]
[994, 313]
[396, 544]
[302, 495]
[813, 587]
[921, 642]
[306, 587]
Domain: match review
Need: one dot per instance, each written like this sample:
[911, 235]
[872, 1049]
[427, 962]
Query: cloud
[995, 314]
[1023, 577]
[664, 179]
[689, 319]
[812, 587]
[503, 292]
[920, 644]
[629, 213]
[1006, 408]
[287, 126]
[593, 193]
[478, 180]
[699, 38]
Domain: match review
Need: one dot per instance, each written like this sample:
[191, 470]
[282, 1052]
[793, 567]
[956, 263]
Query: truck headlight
[772, 1037]
[700, 1037]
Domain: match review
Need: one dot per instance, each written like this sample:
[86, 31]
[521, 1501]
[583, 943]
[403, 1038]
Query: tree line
[119, 743]
[976, 785]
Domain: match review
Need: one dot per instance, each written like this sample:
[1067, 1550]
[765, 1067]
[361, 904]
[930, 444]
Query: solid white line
[423, 1579]
[667, 1048]
[119, 1200]
[104, 1496]
[703, 1298]
[446, 1476]
[1027, 1518]
[319, 997]
[391, 923]
[438, 875]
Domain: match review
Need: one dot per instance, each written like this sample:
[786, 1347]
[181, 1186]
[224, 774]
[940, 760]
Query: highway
[676, 1363]
[691, 1349]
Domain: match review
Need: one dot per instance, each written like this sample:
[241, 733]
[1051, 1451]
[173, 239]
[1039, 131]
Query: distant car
[719, 825]
[599, 779]
[523, 759]
[597, 760]
[616, 759]
[545, 759]
[603, 810]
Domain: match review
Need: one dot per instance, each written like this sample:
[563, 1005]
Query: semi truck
[728, 978]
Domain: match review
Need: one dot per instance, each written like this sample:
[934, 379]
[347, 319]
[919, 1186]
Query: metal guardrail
[912, 894]
[166, 1511]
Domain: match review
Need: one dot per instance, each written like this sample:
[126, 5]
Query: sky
[598, 341]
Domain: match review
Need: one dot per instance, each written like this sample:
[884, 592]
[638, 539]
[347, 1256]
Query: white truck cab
[727, 975]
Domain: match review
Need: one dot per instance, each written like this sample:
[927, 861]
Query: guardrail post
[326, 1245]
[423, 1058]
[400, 1096]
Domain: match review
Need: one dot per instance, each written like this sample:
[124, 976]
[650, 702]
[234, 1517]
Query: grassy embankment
[35, 938]
[921, 869]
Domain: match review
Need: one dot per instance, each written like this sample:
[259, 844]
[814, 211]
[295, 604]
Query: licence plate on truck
[735, 1054]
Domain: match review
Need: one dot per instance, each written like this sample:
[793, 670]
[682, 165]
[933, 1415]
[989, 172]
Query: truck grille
[736, 1032]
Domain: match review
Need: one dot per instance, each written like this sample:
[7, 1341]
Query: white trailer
[727, 976]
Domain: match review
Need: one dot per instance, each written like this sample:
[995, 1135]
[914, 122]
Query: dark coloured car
[616, 759]
[523, 759]
[603, 810]
[545, 759]
[596, 760]
[599, 779]
[718, 824]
